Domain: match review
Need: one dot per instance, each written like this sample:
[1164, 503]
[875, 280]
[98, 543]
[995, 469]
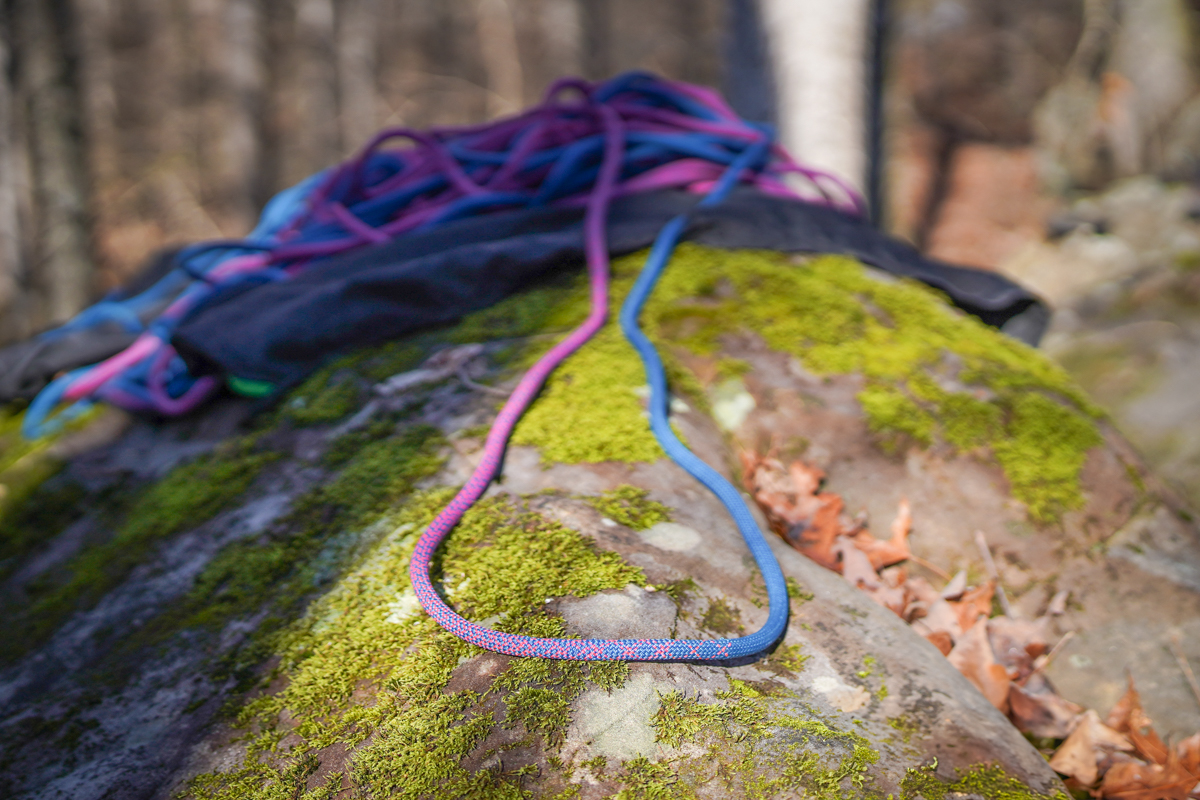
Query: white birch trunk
[819, 52]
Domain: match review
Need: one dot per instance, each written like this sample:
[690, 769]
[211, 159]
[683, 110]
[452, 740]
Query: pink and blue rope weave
[753, 155]
[632, 134]
[675, 136]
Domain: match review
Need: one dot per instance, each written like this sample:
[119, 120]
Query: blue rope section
[656, 262]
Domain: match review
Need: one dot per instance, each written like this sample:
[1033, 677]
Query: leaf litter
[1118, 758]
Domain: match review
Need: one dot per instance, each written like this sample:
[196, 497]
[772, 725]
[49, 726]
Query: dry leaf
[919, 597]
[942, 617]
[806, 480]
[1058, 603]
[1189, 754]
[941, 640]
[1076, 757]
[1145, 740]
[1093, 740]
[1130, 780]
[808, 520]
[892, 551]
[856, 567]
[811, 520]
[972, 656]
[1037, 709]
[895, 577]
[957, 585]
[892, 592]
[1128, 717]
[1017, 642]
[1118, 717]
[974, 602]
[991, 655]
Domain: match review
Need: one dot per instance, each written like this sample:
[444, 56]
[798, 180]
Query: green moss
[36, 517]
[890, 411]
[967, 422]
[827, 312]
[30, 515]
[188, 496]
[906, 726]
[868, 669]
[1188, 261]
[728, 368]
[982, 780]
[680, 589]
[552, 307]
[786, 660]
[330, 402]
[338, 388]
[631, 507]
[596, 765]
[590, 410]
[348, 445]
[723, 618]
[837, 320]
[279, 570]
[194, 492]
[758, 747]
[797, 593]
[1043, 455]
[413, 754]
[408, 736]
[539, 691]
[379, 474]
[652, 780]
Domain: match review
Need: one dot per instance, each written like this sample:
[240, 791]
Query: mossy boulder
[242, 626]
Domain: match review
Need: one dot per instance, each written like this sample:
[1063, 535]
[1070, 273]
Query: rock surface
[242, 626]
[1126, 289]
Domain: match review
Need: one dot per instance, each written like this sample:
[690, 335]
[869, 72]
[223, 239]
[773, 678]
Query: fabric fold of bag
[279, 333]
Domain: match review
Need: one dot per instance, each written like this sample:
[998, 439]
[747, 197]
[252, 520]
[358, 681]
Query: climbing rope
[584, 146]
[753, 153]
[675, 136]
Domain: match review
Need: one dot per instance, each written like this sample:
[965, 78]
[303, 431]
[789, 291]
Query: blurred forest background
[126, 124]
[1056, 140]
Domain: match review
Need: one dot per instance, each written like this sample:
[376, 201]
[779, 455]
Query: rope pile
[585, 145]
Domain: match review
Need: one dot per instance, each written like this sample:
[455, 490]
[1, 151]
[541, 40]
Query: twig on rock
[479, 387]
[934, 568]
[1184, 666]
[990, 566]
[1043, 661]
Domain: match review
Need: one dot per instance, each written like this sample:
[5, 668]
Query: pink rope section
[497, 439]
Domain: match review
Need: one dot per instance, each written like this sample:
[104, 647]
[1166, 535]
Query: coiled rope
[634, 133]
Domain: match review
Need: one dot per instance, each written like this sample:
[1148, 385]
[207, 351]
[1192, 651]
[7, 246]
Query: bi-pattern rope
[675, 135]
[635, 133]
[750, 160]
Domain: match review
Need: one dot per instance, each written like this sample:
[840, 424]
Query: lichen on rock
[340, 682]
[932, 373]
[630, 506]
[189, 495]
[411, 737]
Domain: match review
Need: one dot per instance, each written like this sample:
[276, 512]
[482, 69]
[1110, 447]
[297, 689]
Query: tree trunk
[357, 36]
[500, 54]
[64, 263]
[13, 308]
[98, 96]
[236, 136]
[596, 24]
[818, 53]
[314, 92]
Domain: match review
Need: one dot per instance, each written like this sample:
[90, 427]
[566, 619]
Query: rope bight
[585, 145]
